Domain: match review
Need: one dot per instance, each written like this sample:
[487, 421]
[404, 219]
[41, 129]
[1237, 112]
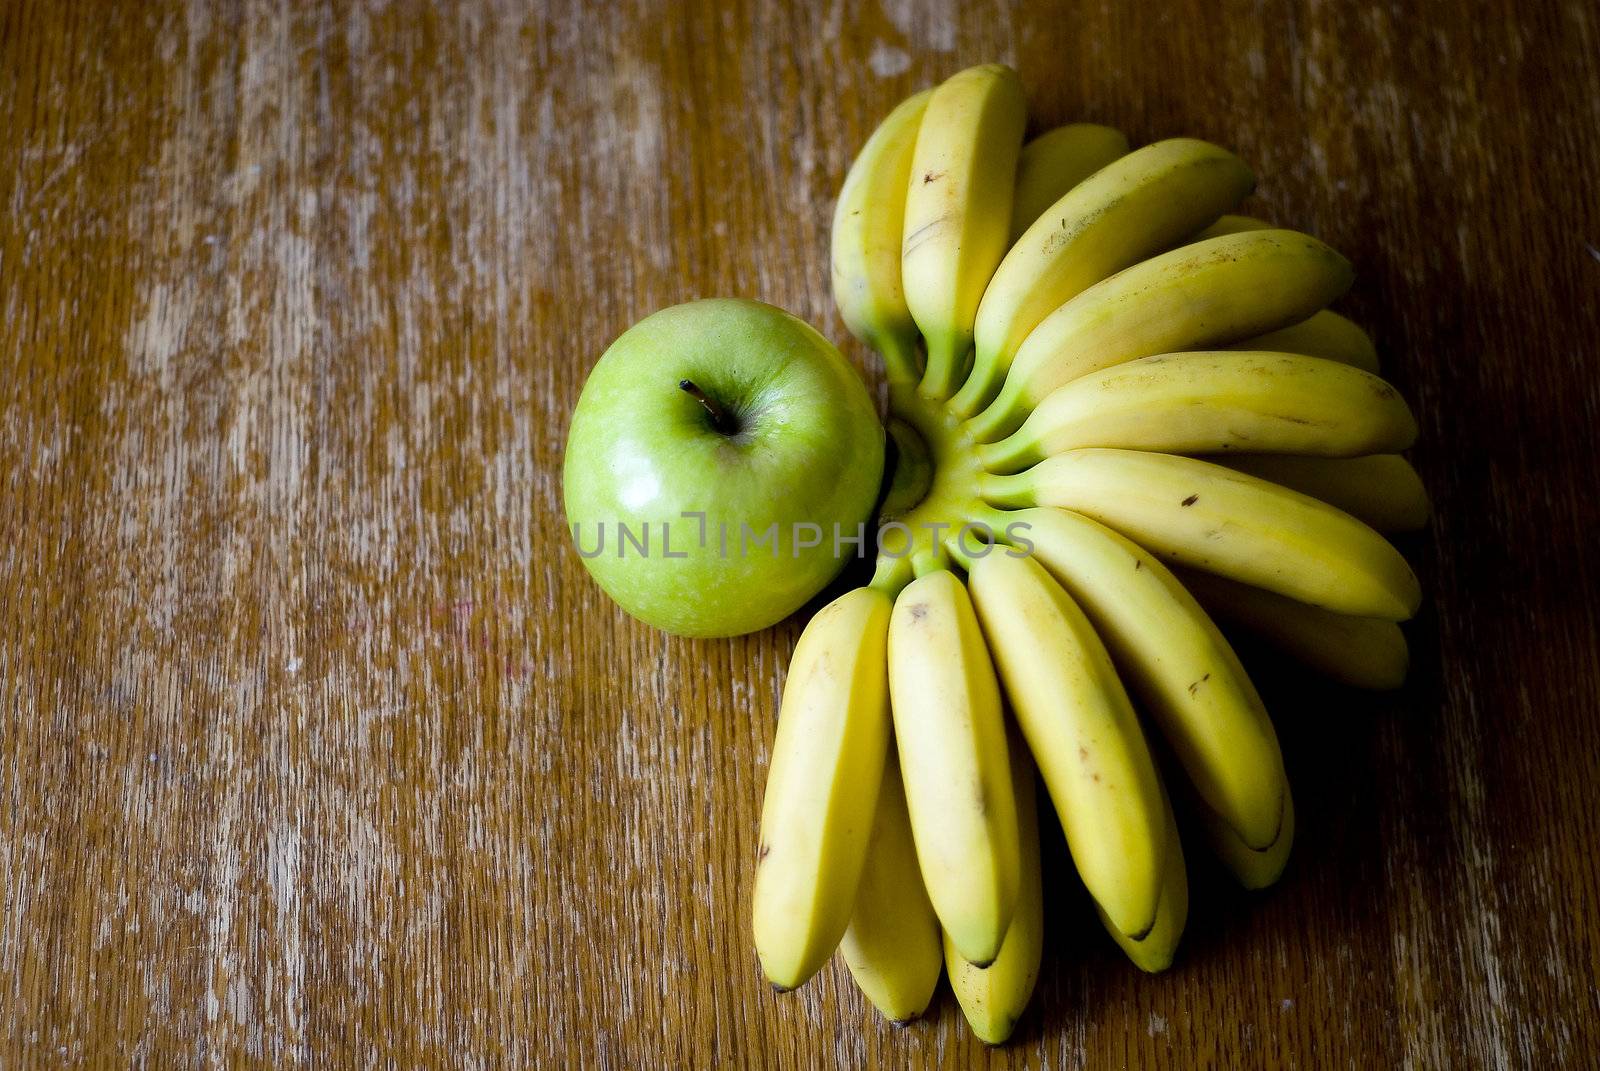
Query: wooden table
[318, 747]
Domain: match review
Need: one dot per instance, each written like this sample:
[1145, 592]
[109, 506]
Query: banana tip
[996, 1038]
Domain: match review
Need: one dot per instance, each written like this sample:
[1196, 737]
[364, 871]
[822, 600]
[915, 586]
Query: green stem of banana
[933, 492]
[1010, 492]
[944, 370]
[996, 421]
[995, 520]
[953, 547]
[891, 575]
[901, 366]
[976, 392]
[1011, 454]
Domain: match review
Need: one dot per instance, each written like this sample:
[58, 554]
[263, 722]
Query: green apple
[722, 460]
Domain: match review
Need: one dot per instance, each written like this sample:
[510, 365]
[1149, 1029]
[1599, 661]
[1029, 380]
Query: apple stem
[719, 416]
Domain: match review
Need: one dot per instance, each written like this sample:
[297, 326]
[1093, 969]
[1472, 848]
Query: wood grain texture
[318, 749]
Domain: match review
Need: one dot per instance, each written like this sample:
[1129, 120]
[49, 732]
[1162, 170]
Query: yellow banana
[822, 786]
[1120, 215]
[1153, 951]
[1231, 224]
[893, 946]
[867, 229]
[958, 209]
[993, 998]
[1082, 731]
[1254, 868]
[1175, 660]
[1324, 334]
[1382, 489]
[952, 742]
[1363, 652]
[1212, 518]
[1054, 162]
[1214, 402]
[1197, 296]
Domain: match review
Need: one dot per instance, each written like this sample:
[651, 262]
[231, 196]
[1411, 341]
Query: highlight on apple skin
[716, 450]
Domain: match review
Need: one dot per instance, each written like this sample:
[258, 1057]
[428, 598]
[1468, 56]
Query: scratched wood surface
[318, 749]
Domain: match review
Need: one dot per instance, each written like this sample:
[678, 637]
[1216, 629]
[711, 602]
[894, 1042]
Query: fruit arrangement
[1115, 409]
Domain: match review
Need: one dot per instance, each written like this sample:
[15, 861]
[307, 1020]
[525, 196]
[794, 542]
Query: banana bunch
[1119, 409]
